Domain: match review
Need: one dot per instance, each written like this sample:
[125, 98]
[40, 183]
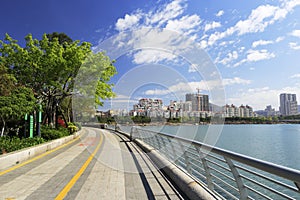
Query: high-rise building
[288, 104]
[200, 102]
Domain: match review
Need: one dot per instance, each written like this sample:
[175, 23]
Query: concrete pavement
[101, 165]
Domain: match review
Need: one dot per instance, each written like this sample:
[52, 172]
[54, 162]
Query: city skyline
[197, 102]
[254, 45]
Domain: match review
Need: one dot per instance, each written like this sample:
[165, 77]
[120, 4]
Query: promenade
[99, 165]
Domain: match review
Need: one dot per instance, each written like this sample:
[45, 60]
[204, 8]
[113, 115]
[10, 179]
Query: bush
[9, 144]
[72, 128]
[50, 133]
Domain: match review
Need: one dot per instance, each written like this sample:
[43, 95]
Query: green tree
[62, 37]
[15, 100]
[50, 67]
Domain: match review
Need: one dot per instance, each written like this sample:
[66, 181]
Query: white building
[234, 111]
[148, 107]
[231, 111]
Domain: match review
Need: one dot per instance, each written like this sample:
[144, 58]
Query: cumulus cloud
[279, 39]
[186, 87]
[166, 12]
[212, 25]
[259, 19]
[256, 55]
[294, 46]
[230, 57]
[172, 16]
[220, 13]
[295, 33]
[261, 42]
[186, 24]
[152, 56]
[167, 18]
[127, 22]
[157, 92]
[295, 76]
[236, 80]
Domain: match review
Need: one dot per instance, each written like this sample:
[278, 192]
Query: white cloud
[203, 44]
[186, 87]
[186, 24]
[256, 55]
[259, 19]
[279, 39]
[167, 12]
[261, 42]
[157, 92]
[266, 42]
[212, 25]
[294, 46]
[152, 56]
[230, 57]
[170, 22]
[263, 96]
[220, 13]
[295, 33]
[127, 22]
[236, 80]
[295, 76]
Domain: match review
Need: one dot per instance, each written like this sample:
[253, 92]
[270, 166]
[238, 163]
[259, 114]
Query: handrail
[278, 170]
[260, 171]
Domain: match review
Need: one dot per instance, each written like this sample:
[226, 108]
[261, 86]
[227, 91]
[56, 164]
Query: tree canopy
[49, 68]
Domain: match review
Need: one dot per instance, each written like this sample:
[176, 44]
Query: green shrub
[9, 144]
[72, 128]
[49, 133]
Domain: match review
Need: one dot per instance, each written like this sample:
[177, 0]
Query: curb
[16, 157]
[189, 186]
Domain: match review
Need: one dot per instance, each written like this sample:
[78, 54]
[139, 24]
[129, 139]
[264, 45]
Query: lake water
[279, 143]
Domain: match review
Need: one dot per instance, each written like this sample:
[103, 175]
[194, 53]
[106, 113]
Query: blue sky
[253, 45]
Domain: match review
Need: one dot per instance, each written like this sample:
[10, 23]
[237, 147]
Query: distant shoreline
[206, 123]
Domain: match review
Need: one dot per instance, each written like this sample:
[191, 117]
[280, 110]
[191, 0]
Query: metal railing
[228, 174]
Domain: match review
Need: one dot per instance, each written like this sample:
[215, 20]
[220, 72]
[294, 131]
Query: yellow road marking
[75, 178]
[37, 157]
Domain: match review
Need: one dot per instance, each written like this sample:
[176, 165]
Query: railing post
[242, 189]
[209, 179]
[186, 159]
[157, 142]
[175, 158]
[165, 147]
[133, 131]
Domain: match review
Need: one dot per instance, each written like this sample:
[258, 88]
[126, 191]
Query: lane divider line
[75, 178]
[37, 157]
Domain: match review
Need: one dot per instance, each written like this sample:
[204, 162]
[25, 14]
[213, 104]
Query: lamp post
[39, 120]
[56, 113]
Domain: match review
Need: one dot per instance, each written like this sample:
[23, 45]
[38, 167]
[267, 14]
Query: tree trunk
[3, 128]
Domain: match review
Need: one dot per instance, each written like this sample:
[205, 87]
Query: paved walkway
[100, 165]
